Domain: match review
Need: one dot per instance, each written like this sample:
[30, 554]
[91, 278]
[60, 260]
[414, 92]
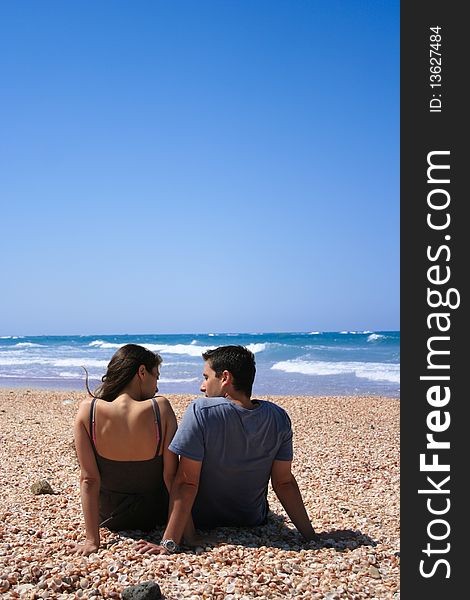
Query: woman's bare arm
[89, 480]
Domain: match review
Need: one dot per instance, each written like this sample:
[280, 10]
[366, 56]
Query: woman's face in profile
[150, 383]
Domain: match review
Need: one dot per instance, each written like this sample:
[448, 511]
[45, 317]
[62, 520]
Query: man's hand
[145, 546]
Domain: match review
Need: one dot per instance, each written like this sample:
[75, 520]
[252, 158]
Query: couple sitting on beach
[229, 446]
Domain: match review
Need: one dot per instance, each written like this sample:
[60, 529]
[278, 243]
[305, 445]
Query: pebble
[41, 487]
[374, 572]
[148, 590]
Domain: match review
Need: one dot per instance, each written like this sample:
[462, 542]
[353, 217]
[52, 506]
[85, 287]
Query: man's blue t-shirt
[237, 447]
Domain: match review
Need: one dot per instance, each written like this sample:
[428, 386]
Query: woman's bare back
[125, 429]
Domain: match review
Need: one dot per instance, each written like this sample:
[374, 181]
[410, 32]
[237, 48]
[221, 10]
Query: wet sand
[346, 462]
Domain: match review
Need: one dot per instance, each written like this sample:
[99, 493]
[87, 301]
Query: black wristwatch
[170, 545]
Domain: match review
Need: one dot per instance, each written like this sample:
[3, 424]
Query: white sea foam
[382, 372]
[71, 374]
[78, 362]
[375, 336]
[191, 349]
[371, 371]
[354, 332]
[314, 333]
[26, 374]
[54, 362]
[106, 345]
[8, 361]
[27, 345]
[255, 348]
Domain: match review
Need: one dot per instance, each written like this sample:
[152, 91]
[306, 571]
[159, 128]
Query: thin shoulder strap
[158, 426]
[92, 422]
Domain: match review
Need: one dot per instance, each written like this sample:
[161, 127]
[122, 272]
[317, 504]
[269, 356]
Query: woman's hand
[88, 547]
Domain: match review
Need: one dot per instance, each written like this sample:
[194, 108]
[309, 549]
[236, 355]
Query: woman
[122, 435]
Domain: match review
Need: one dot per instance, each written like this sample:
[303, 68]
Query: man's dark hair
[238, 360]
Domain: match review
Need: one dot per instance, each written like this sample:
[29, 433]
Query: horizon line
[211, 333]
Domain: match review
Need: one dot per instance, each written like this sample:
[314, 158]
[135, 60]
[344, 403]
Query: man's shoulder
[275, 409]
[269, 405]
[204, 410]
[202, 403]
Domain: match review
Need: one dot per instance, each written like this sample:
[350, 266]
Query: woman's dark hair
[238, 360]
[121, 369]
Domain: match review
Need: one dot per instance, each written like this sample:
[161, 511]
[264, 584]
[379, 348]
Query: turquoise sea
[299, 363]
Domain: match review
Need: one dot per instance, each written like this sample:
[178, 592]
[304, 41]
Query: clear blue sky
[171, 166]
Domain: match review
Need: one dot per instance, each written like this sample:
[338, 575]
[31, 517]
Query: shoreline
[75, 391]
[346, 462]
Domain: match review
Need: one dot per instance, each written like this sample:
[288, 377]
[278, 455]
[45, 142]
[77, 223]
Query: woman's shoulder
[84, 406]
[163, 403]
[166, 410]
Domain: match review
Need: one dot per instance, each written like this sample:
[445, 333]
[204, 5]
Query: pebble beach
[346, 462]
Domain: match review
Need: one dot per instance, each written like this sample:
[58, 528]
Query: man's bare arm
[182, 496]
[286, 489]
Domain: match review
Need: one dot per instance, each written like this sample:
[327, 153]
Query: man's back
[237, 447]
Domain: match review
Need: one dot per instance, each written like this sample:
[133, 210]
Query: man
[229, 447]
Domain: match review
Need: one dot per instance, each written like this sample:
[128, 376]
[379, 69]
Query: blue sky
[199, 166]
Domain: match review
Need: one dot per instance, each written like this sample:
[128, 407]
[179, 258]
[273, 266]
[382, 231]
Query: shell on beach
[346, 462]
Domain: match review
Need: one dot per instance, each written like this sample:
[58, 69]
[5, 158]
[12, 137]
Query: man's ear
[141, 371]
[226, 377]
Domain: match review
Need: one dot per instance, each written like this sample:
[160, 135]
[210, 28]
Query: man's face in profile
[211, 384]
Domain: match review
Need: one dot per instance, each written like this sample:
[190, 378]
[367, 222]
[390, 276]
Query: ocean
[307, 364]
